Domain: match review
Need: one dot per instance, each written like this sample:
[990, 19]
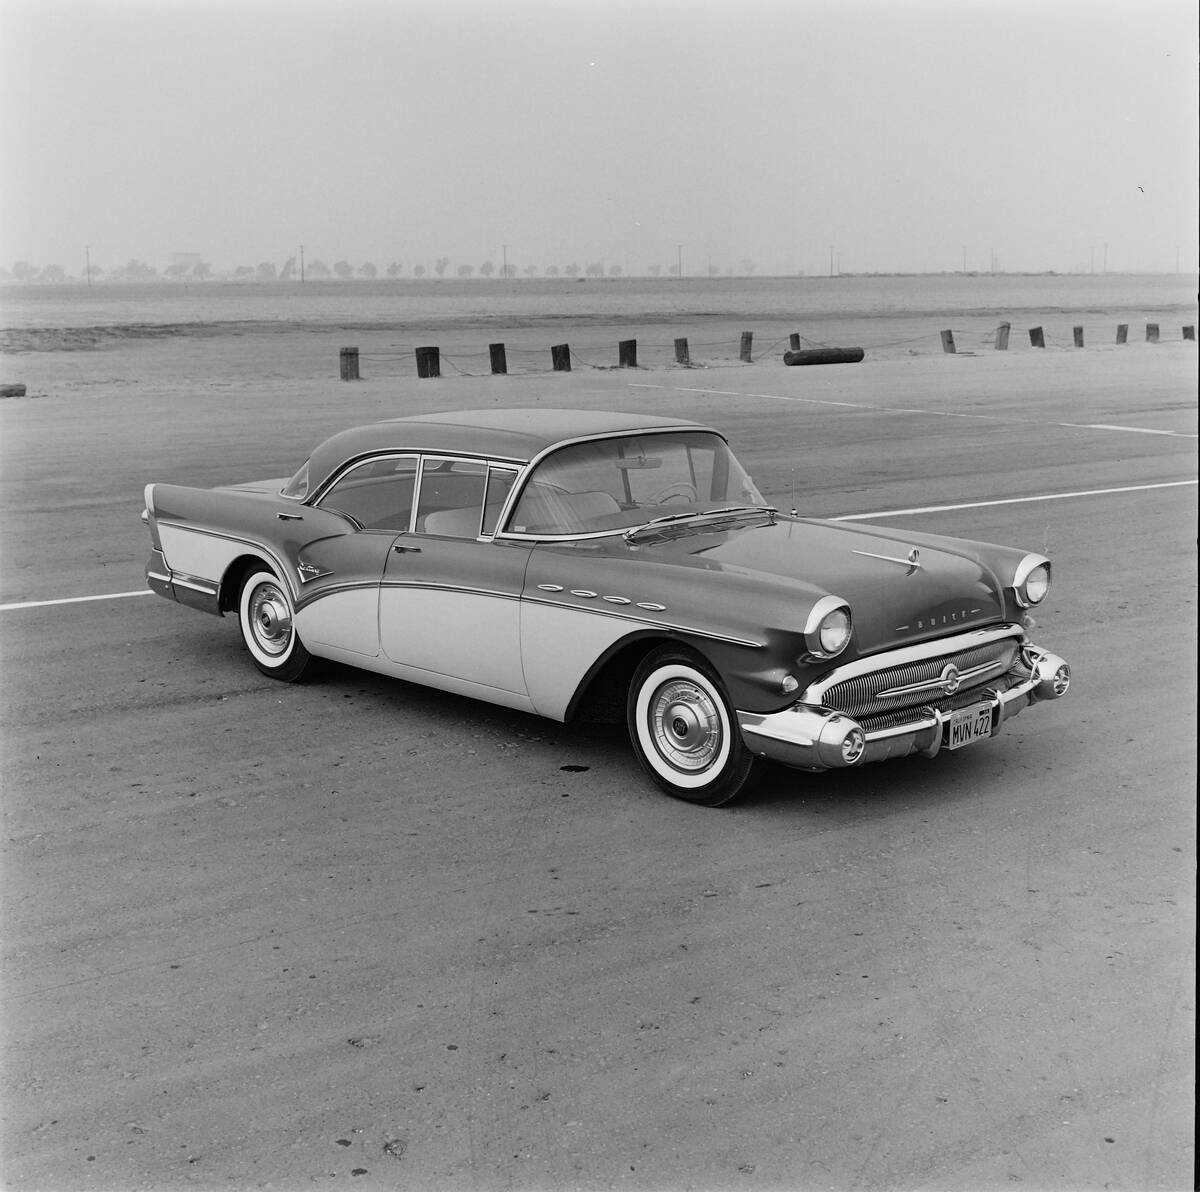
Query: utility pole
[302, 264]
[504, 266]
[679, 261]
[87, 258]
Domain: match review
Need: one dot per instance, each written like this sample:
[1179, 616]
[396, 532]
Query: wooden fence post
[681, 352]
[747, 340]
[794, 341]
[499, 358]
[1079, 337]
[429, 362]
[1122, 332]
[1002, 337]
[1189, 332]
[948, 342]
[560, 354]
[1036, 338]
[349, 364]
[1152, 333]
[627, 353]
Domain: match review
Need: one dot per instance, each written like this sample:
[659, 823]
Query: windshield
[613, 484]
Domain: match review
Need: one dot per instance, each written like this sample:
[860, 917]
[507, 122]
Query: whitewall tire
[684, 731]
[267, 621]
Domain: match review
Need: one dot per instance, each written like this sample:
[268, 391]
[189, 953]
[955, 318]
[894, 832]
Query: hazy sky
[903, 134]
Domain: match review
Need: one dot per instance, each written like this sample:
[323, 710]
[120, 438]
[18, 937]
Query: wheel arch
[237, 573]
[601, 694]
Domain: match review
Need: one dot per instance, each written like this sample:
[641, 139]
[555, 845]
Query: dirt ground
[357, 933]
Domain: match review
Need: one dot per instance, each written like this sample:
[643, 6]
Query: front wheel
[266, 619]
[684, 731]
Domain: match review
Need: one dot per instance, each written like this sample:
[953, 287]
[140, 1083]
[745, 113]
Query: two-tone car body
[578, 563]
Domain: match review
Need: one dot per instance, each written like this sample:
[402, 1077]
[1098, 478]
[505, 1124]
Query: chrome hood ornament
[912, 561]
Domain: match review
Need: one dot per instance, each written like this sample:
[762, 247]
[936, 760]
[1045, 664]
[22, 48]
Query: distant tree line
[26, 273]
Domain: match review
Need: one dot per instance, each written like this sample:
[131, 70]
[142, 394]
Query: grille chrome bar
[915, 675]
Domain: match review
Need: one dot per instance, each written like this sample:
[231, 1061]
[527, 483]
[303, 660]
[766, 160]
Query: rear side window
[377, 494]
[451, 500]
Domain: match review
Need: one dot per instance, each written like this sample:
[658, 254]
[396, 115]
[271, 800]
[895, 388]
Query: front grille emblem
[950, 679]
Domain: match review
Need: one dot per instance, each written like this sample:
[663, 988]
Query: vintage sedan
[614, 566]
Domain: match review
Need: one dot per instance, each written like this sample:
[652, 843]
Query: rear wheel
[684, 731]
[267, 622]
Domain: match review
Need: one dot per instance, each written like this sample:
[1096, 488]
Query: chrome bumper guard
[810, 737]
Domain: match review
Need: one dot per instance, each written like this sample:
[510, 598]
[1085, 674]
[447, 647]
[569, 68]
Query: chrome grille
[951, 703]
[859, 696]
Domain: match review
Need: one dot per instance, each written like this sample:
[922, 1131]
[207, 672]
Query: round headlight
[827, 632]
[1032, 580]
[834, 632]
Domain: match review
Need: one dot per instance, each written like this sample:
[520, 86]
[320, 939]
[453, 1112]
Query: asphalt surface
[357, 933]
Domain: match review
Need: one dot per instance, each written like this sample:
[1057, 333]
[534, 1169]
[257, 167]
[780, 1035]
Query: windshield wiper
[705, 517]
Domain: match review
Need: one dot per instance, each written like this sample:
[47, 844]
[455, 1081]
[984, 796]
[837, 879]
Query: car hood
[893, 602]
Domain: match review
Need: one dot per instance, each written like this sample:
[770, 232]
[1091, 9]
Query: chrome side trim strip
[310, 598]
[433, 585]
[196, 585]
[598, 611]
[261, 547]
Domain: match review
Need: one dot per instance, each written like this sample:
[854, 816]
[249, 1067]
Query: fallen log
[824, 356]
[12, 390]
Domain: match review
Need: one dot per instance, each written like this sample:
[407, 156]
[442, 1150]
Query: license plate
[968, 725]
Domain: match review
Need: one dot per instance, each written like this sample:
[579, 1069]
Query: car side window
[377, 494]
[450, 503]
[499, 485]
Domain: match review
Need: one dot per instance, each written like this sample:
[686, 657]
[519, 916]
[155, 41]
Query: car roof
[519, 434]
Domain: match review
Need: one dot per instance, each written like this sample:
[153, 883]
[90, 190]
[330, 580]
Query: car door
[449, 606]
[337, 609]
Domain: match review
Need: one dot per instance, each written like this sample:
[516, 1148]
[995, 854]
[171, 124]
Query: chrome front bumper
[810, 737]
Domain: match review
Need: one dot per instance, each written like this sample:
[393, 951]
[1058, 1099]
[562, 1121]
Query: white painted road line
[1090, 492]
[6, 608]
[850, 405]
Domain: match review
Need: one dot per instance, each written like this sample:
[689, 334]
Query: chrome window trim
[391, 452]
[922, 651]
[451, 457]
[495, 465]
[361, 461]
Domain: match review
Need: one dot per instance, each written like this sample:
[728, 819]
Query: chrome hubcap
[685, 725]
[270, 619]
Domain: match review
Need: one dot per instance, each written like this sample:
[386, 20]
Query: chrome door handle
[407, 550]
[289, 517]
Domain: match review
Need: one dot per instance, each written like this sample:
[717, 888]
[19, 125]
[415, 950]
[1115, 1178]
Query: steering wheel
[681, 491]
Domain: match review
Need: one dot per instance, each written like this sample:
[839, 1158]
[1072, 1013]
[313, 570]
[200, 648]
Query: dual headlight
[828, 628]
[1031, 583]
